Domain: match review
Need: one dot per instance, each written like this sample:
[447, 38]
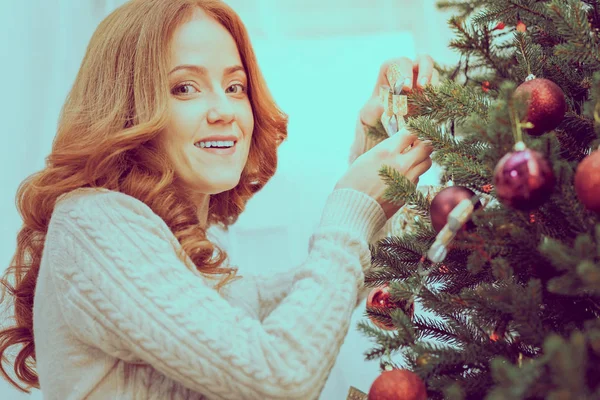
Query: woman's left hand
[413, 75]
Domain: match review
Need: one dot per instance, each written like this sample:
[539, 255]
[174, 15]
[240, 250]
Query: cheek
[247, 121]
[184, 119]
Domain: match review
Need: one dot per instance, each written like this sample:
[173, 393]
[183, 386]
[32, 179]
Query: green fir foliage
[513, 312]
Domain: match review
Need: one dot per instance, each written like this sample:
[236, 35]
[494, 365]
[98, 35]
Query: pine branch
[529, 56]
[510, 11]
[575, 136]
[443, 143]
[401, 249]
[466, 171]
[476, 42]
[384, 340]
[378, 276]
[401, 190]
[572, 23]
[530, 7]
[464, 8]
[450, 100]
[521, 274]
[435, 329]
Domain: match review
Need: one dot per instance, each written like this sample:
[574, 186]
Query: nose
[221, 111]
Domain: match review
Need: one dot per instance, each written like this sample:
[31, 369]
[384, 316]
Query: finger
[398, 141]
[371, 112]
[414, 144]
[418, 153]
[415, 172]
[423, 68]
[404, 67]
[435, 77]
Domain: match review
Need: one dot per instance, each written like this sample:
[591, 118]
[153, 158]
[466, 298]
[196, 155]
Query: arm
[272, 289]
[125, 291]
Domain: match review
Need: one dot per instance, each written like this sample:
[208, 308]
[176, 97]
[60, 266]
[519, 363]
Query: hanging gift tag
[400, 109]
[355, 394]
[400, 105]
[393, 77]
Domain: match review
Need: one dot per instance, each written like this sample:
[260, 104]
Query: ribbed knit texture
[117, 315]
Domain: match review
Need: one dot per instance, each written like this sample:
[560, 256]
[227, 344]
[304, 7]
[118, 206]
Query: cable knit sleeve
[272, 289]
[126, 292]
[275, 287]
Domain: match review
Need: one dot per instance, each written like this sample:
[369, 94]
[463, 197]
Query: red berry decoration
[521, 27]
[380, 298]
[546, 105]
[445, 201]
[587, 181]
[485, 86]
[523, 179]
[501, 25]
[398, 384]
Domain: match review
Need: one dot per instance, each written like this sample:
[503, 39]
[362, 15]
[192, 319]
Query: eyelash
[190, 84]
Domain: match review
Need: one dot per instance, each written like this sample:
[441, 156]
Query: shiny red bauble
[523, 179]
[380, 297]
[398, 384]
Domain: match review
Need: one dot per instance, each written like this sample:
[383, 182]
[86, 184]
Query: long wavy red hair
[107, 138]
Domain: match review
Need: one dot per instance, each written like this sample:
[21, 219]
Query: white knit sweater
[117, 315]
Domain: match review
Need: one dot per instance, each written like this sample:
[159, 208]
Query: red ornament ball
[398, 384]
[380, 297]
[546, 104]
[445, 201]
[523, 179]
[587, 181]
[521, 27]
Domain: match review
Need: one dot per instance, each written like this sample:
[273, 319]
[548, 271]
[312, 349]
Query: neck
[202, 206]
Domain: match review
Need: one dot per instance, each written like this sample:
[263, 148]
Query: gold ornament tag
[355, 394]
[395, 104]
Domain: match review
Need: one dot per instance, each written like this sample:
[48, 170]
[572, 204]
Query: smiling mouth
[220, 148]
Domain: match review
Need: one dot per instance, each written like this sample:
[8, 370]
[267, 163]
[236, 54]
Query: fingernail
[428, 142]
[423, 82]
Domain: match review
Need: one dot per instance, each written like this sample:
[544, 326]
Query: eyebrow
[203, 71]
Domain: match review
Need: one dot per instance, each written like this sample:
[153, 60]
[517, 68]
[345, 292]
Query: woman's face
[210, 127]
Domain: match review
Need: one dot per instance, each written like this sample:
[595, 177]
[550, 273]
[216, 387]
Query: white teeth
[219, 143]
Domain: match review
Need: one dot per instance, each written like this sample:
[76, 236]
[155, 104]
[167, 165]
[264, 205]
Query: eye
[240, 88]
[181, 89]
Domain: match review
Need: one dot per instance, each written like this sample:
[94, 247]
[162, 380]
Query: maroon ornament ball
[398, 384]
[445, 201]
[587, 181]
[546, 104]
[523, 179]
[380, 297]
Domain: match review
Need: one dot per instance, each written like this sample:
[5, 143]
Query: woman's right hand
[363, 173]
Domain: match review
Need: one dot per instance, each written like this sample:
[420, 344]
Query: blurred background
[320, 59]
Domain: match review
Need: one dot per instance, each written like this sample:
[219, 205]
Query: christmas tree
[494, 291]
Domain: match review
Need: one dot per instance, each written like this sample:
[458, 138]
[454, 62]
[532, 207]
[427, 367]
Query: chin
[221, 186]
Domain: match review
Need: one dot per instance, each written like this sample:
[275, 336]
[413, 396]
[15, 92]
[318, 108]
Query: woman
[169, 129]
